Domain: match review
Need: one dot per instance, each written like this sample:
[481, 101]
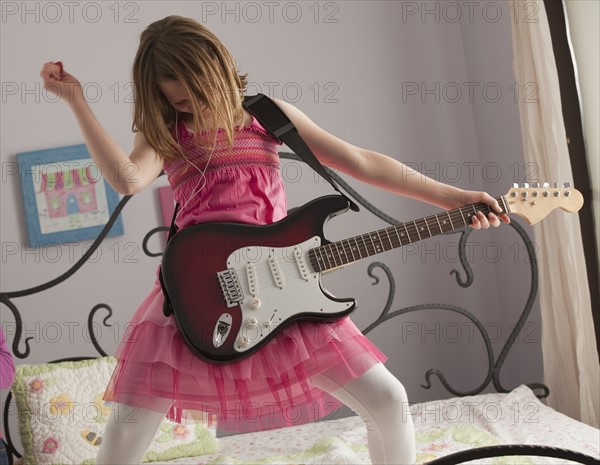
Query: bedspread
[442, 427]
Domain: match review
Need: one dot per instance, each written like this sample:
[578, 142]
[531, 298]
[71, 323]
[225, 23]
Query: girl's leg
[128, 434]
[381, 401]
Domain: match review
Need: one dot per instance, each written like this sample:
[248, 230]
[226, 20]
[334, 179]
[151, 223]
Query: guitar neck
[337, 254]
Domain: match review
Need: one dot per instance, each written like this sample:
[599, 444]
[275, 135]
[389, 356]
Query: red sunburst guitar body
[233, 286]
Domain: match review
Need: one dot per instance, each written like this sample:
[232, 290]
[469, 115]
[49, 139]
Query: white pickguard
[277, 284]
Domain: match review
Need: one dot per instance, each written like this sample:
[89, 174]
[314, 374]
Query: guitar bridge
[230, 286]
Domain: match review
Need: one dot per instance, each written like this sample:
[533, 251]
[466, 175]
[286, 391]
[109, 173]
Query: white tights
[381, 401]
[376, 396]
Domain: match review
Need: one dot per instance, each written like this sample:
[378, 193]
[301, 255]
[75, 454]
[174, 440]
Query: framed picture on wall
[66, 198]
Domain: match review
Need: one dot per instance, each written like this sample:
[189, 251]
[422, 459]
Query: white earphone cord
[202, 172]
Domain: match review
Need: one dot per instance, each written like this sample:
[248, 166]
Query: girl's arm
[385, 172]
[126, 174]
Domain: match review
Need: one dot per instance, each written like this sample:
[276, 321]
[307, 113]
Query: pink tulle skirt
[268, 389]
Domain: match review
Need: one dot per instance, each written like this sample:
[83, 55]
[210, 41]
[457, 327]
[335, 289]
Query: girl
[223, 166]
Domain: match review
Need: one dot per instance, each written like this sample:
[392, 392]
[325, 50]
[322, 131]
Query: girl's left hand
[480, 220]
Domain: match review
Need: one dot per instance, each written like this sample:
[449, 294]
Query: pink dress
[270, 388]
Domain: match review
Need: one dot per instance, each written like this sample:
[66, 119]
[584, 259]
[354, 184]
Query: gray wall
[382, 75]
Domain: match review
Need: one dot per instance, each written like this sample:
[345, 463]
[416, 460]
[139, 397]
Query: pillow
[62, 416]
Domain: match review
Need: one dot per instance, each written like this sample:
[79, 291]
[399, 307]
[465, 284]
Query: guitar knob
[254, 304]
[251, 323]
[244, 341]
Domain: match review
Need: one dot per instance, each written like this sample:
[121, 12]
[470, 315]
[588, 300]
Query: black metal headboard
[495, 364]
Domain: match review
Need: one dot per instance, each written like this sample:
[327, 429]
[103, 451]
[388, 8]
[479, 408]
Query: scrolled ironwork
[147, 238]
[5, 297]
[494, 367]
[462, 254]
[18, 328]
[90, 323]
[512, 450]
[387, 315]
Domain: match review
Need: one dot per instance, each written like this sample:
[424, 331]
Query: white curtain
[571, 368]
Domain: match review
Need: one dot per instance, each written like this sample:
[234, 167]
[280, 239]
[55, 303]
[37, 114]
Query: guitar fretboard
[340, 253]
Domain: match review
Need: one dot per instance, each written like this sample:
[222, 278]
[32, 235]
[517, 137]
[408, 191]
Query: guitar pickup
[230, 287]
[276, 272]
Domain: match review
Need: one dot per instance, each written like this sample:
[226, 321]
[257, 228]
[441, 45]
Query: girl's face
[176, 95]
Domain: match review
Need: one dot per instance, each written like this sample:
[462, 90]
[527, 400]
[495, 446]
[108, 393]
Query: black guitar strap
[274, 120]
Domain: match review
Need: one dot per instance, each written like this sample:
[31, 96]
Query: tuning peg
[566, 184]
[555, 185]
[525, 185]
[546, 185]
[515, 185]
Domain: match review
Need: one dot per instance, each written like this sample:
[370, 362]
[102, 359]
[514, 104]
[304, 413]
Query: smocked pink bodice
[241, 184]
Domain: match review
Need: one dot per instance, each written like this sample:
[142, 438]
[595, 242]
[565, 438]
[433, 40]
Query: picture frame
[65, 197]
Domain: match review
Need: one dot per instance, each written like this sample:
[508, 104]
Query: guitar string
[342, 252]
[390, 238]
[332, 250]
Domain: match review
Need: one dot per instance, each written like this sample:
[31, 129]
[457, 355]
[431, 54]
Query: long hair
[178, 48]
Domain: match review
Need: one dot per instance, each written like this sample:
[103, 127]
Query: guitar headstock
[534, 202]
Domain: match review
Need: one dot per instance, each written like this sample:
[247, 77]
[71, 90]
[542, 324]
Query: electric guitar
[233, 286]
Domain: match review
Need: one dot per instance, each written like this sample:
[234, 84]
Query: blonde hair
[178, 48]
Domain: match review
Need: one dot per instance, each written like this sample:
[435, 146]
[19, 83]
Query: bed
[60, 411]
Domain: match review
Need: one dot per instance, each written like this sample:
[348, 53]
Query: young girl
[223, 166]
